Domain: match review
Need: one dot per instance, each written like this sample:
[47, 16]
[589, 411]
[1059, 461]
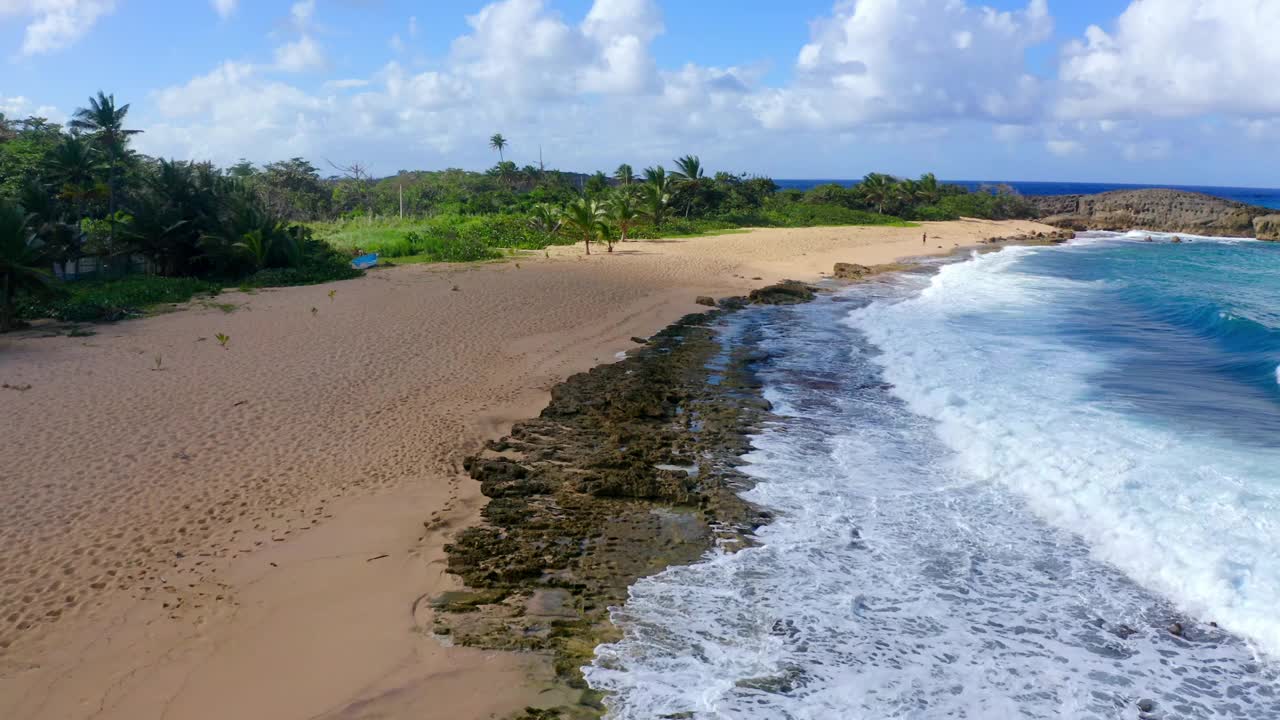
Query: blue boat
[364, 262]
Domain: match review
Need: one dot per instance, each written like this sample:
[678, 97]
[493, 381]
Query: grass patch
[106, 300]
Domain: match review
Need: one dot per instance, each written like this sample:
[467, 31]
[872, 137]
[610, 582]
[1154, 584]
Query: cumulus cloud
[300, 55]
[55, 24]
[913, 61]
[18, 107]
[224, 8]
[1176, 58]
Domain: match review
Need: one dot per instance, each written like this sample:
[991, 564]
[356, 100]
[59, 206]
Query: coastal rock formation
[1159, 210]
[787, 292]
[631, 468]
[1267, 227]
[850, 271]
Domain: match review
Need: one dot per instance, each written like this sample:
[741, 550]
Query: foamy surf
[968, 526]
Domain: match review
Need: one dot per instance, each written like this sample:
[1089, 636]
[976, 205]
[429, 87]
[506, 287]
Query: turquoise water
[997, 488]
[1262, 197]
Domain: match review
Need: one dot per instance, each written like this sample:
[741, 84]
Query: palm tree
[877, 189]
[507, 172]
[622, 212]
[74, 164]
[624, 175]
[656, 198]
[21, 256]
[928, 190]
[585, 218]
[104, 122]
[499, 143]
[545, 219]
[690, 179]
[656, 175]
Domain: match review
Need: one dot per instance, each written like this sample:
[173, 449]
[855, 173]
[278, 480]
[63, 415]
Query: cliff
[1158, 210]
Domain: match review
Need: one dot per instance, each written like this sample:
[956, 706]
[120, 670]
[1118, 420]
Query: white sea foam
[898, 580]
[1194, 517]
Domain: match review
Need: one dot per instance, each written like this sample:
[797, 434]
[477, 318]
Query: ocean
[1037, 483]
[1262, 197]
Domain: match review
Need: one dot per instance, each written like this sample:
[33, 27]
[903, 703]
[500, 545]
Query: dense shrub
[88, 301]
[991, 206]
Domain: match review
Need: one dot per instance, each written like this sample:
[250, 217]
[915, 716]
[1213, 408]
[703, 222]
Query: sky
[1141, 91]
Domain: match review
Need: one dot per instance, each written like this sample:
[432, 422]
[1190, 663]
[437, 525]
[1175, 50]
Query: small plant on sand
[222, 339]
[159, 360]
[331, 294]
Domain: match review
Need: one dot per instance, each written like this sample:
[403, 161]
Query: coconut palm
[690, 180]
[877, 189]
[624, 175]
[75, 164]
[21, 257]
[622, 213]
[104, 123]
[499, 143]
[585, 217]
[655, 198]
[545, 219]
[928, 191]
[656, 176]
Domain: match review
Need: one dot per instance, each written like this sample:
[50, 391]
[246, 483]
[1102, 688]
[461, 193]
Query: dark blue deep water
[1262, 197]
[996, 488]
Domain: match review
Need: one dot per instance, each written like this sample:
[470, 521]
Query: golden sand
[190, 531]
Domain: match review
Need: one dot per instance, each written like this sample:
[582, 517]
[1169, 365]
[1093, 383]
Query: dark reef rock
[787, 292]
[1155, 209]
[705, 300]
[631, 468]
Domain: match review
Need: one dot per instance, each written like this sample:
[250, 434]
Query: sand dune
[190, 531]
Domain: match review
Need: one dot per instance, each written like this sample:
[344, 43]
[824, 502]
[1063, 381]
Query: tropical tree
[877, 189]
[656, 176]
[545, 219]
[928, 191]
[103, 121]
[21, 257]
[74, 166]
[596, 185]
[499, 143]
[690, 180]
[624, 175]
[655, 196]
[622, 213]
[585, 219]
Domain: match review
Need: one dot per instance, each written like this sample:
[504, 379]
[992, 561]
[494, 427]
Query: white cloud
[905, 73]
[301, 13]
[1063, 148]
[224, 8]
[19, 107]
[301, 55]
[912, 61]
[1176, 58]
[55, 24]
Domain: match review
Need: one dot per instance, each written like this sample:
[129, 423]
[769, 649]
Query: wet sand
[246, 531]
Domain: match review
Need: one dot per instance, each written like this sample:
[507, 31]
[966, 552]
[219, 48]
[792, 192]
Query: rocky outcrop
[787, 292]
[1267, 227]
[631, 468]
[1159, 210]
[850, 271]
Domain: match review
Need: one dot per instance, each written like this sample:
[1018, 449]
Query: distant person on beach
[924, 238]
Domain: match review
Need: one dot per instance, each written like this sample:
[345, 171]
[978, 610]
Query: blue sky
[1160, 91]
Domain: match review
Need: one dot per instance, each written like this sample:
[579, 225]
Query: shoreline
[363, 649]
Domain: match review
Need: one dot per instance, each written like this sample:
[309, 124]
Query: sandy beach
[195, 531]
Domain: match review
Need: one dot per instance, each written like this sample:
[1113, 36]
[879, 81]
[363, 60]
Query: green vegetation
[151, 230]
[104, 300]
